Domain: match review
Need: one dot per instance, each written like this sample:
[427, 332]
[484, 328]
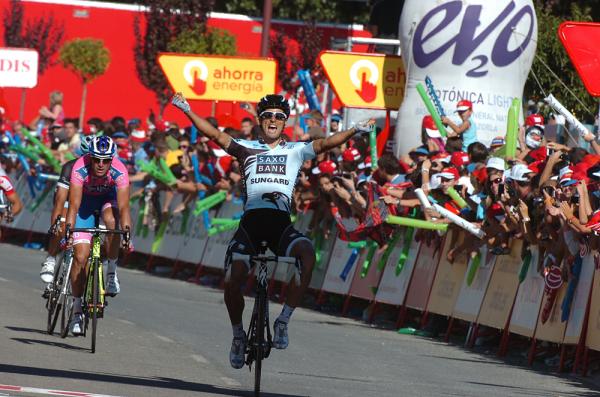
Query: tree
[204, 41]
[164, 21]
[551, 52]
[302, 10]
[42, 34]
[287, 61]
[88, 59]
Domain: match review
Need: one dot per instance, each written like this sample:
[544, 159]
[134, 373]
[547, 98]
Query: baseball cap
[458, 159]
[430, 128]
[138, 136]
[463, 105]
[365, 164]
[496, 163]
[449, 173]
[351, 155]
[534, 119]
[443, 157]
[422, 150]
[325, 167]
[497, 142]
[336, 117]
[518, 172]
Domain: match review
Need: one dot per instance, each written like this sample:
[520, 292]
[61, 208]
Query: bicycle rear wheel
[259, 348]
[95, 296]
[53, 303]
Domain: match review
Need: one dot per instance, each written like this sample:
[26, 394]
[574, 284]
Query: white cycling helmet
[102, 147]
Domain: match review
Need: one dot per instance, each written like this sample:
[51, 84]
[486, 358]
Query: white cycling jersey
[269, 175]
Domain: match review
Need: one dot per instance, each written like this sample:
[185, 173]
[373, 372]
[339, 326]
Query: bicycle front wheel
[53, 303]
[259, 341]
[95, 300]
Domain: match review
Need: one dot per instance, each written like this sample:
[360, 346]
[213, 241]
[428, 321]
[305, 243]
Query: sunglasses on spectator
[184, 147]
[96, 160]
[523, 183]
[269, 115]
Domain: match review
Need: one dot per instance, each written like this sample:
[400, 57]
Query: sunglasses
[523, 183]
[101, 161]
[184, 147]
[269, 115]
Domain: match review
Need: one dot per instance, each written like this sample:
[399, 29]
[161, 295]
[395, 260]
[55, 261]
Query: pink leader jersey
[116, 177]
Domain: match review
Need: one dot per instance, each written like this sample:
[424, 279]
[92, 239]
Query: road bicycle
[93, 302]
[58, 292]
[258, 347]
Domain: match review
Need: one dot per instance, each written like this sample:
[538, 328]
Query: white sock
[112, 266]
[286, 313]
[77, 305]
[238, 330]
[50, 258]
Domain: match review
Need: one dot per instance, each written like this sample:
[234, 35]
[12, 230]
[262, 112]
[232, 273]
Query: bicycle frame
[95, 265]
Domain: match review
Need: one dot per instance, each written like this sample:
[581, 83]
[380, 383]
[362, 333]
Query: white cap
[496, 163]
[564, 171]
[433, 133]
[518, 172]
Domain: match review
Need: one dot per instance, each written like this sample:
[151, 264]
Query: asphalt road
[163, 337]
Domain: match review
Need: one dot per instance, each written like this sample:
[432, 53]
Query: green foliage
[302, 10]
[88, 58]
[164, 20]
[204, 41]
[551, 51]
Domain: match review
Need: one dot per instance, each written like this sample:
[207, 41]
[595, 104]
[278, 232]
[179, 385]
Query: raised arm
[221, 138]
[326, 144]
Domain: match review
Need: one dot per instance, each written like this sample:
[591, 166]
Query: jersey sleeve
[121, 176]
[64, 179]
[6, 185]
[307, 151]
[236, 149]
[78, 173]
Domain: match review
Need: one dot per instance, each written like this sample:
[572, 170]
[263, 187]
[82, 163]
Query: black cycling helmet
[273, 102]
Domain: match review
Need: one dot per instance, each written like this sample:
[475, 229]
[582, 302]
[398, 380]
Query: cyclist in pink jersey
[98, 182]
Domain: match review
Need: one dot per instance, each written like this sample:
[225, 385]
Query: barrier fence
[504, 292]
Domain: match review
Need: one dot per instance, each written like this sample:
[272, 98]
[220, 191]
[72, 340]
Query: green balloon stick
[408, 236]
[431, 109]
[457, 198]
[25, 151]
[388, 251]
[367, 263]
[417, 223]
[512, 128]
[209, 202]
[473, 266]
[357, 244]
[373, 146]
[525, 266]
[47, 153]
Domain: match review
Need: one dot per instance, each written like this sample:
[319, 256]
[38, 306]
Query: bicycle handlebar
[290, 260]
[94, 230]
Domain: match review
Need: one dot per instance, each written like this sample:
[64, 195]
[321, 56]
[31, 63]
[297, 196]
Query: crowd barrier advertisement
[393, 287]
[423, 275]
[503, 287]
[471, 296]
[593, 330]
[580, 301]
[529, 298]
[448, 279]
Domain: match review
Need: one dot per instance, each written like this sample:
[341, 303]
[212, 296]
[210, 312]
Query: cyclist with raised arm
[98, 181]
[270, 168]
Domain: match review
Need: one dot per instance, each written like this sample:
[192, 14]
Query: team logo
[266, 164]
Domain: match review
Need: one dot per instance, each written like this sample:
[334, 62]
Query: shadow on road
[49, 343]
[155, 382]
[31, 330]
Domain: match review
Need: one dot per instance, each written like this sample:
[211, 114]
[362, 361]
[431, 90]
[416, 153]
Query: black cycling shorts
[264, 224]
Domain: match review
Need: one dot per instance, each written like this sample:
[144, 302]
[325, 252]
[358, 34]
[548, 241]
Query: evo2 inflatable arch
[478, 50]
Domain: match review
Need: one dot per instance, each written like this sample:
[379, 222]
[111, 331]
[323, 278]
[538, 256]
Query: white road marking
[164, 338]
[230, 382]
[3, 279]
[50, 392]
[126, 321]
[199, 358]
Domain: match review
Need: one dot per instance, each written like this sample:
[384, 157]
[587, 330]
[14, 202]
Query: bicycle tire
[95, 293]
[53, 301]
[65, 320]
[259, 341]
